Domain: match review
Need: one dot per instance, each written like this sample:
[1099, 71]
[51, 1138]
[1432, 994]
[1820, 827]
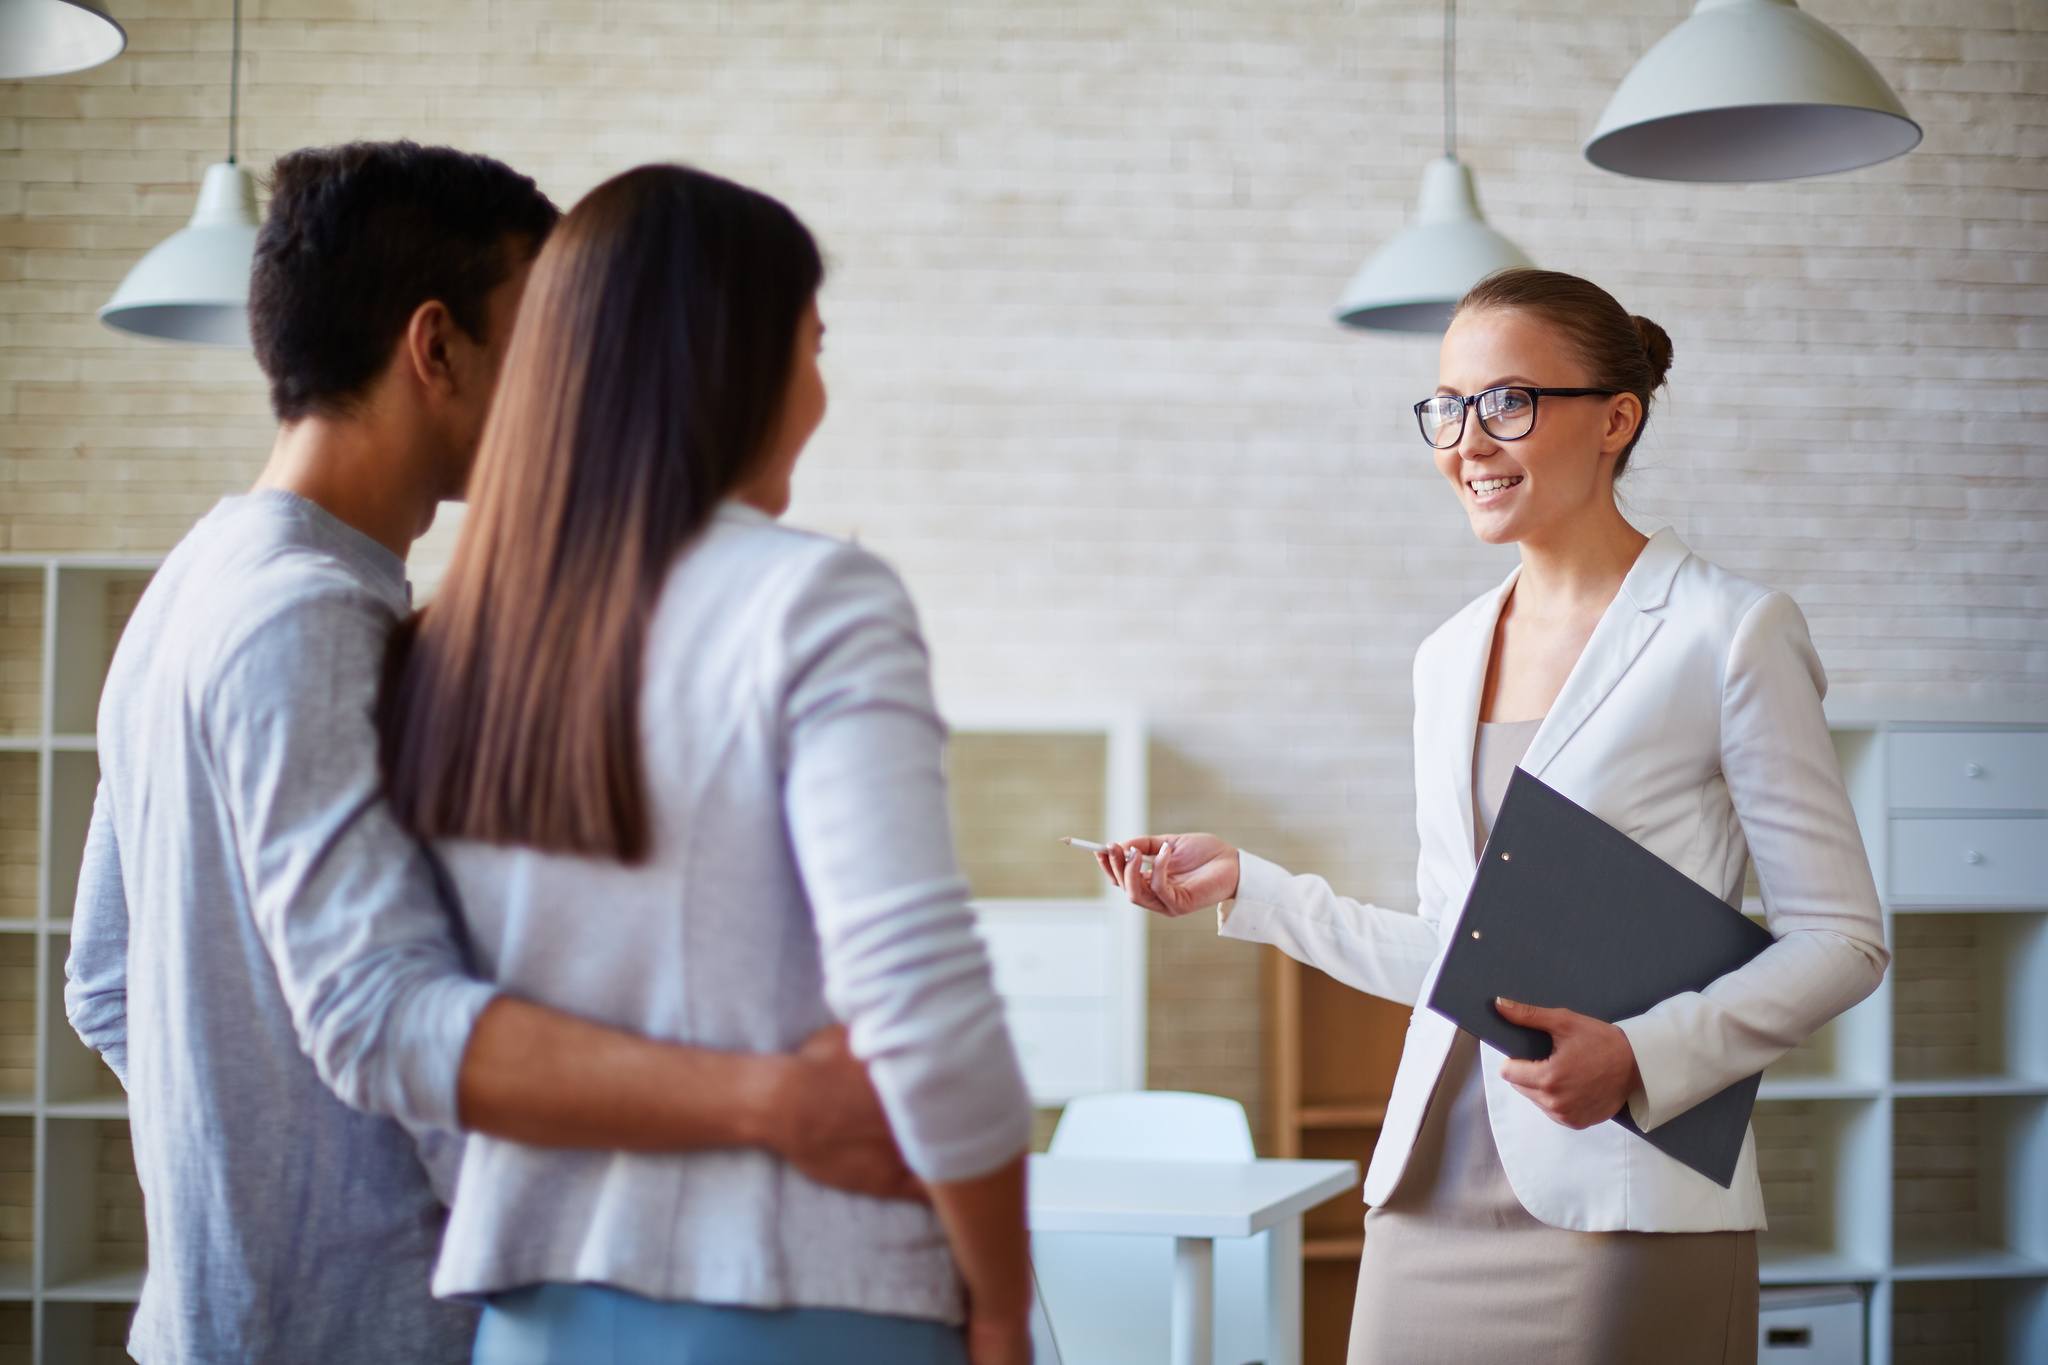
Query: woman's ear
[1624, 416]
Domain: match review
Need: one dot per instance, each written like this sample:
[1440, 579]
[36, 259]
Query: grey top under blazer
[802, 870]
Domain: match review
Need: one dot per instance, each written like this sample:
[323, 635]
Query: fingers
[1158, 882]
[1140, 890]
[1551, 1021]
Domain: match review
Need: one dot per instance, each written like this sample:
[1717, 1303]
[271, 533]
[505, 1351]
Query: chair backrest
[1110, 1297]
[1155, 1125]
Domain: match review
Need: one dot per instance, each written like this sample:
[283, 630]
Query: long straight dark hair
[645, 378]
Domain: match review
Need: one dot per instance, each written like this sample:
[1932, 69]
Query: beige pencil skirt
[1457, 1272]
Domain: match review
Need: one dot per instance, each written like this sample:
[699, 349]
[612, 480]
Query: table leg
[1194, 1307]
[1283, 1294]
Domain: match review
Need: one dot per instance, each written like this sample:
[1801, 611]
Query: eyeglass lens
[1506, 414]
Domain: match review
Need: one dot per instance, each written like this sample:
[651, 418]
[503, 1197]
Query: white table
[1195, 1202]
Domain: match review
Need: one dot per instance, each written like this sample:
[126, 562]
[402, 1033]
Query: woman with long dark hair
[683, 768]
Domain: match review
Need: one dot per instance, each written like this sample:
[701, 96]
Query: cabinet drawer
[1063, 1046]
[1970, 862]
[1064, 957]
[1969, 769]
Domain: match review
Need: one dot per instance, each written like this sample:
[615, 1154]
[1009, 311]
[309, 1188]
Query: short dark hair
[357, 237]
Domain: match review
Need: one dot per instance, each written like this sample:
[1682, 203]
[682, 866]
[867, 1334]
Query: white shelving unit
[71, 1236]
[1905, 1148]
[1069, 957]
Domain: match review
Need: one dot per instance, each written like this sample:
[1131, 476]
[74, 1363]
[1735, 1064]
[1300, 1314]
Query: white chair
[1110, 1298]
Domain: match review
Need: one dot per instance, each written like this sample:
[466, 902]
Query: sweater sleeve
[864, 797]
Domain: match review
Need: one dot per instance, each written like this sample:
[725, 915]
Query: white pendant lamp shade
[194, 285]
[1412, 283]
[1750, 90]
[54, 38]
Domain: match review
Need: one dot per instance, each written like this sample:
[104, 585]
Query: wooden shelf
[1370, 1115]
[1333, 1248]
[1331, 1056]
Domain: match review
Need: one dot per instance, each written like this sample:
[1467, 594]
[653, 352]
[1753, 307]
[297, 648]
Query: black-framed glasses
[1506, 413]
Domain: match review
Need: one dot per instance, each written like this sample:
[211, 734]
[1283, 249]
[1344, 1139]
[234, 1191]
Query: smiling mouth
[1483, 488]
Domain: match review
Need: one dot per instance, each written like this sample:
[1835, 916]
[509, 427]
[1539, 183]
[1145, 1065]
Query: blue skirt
[594, 1324]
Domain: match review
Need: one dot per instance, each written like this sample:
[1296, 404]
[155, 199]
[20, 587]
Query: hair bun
[1656, 347]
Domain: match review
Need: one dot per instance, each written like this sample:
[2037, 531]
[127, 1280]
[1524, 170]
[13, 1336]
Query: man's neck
[358, 474]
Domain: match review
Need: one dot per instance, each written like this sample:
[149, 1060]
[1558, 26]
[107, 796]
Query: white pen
[1144, 860]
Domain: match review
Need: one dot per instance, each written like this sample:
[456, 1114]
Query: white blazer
[1692, 722]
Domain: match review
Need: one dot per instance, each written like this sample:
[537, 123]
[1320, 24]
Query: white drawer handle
[1972, 857]
[1973, 770]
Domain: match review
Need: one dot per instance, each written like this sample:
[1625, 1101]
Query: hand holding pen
[1173, 875]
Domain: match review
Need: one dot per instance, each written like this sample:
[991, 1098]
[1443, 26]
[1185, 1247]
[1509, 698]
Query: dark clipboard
[1566, 910]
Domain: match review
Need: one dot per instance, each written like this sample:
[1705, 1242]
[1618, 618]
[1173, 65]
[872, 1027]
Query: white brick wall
[1085, 389]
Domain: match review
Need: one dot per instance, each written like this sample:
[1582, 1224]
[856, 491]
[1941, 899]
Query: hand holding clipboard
[1568, 911]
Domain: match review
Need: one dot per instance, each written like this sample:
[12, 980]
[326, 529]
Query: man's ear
[428, 333]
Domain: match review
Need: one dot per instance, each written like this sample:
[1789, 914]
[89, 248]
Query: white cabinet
[1906, 1147]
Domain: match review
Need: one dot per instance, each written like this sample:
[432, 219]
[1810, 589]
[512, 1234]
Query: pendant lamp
[55, 38]
[1750, 90]
[1413, 282]
[194, 285]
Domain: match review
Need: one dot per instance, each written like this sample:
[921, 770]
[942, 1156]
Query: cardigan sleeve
[864, 794]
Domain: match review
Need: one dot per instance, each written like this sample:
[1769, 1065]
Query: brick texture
[1085, 389]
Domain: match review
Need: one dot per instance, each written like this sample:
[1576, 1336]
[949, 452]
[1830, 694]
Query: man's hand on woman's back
[831, 1126]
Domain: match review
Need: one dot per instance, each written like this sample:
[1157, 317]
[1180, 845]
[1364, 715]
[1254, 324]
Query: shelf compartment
[94, 1240]
[20, 786]
[1817, 1160]
[17, 1206]
[17, 1334]
[88, 1333]
[17, 1018]
[21, 652]
[1014, 795]
[1935, 1322]
[1342, 1216]
[1844, 1057]
[1969, 1179]
[93, 606]
[74, 781]
[1967, 1003]
[1350, 1046]
[79, 1079]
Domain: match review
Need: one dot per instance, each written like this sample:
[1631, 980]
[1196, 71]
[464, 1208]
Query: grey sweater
[251, 929]
[802, 870]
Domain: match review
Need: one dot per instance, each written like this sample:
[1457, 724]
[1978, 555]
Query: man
[251, 922]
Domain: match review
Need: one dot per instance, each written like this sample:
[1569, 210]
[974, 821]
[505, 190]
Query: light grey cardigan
[802, 869]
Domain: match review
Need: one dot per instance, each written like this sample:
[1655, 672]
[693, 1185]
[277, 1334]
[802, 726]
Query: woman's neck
[1580, 567]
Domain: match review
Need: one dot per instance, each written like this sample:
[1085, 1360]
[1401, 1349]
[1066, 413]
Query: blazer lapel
[1623, 630]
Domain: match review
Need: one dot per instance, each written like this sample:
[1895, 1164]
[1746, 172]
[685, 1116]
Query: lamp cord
[235, 85]
[1450, 78]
